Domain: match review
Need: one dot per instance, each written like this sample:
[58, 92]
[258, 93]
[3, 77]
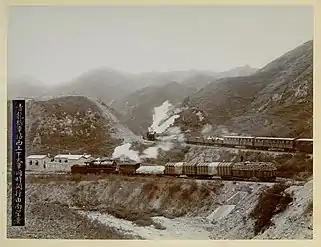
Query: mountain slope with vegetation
[138, 107]
[72, 124]
[274, 101]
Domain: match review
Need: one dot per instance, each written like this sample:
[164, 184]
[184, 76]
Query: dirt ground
[119, 207]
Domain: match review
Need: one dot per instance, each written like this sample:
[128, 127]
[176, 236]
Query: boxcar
[206, 170]
[265, 171]
[190, 169]
[224, 170]
[174, 168]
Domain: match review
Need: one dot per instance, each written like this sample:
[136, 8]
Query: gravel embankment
[297, 221]
[57, 221]
[158, 208]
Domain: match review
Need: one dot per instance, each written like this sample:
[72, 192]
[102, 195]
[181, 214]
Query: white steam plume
[163, 117]
[124, 151]
[206, 129]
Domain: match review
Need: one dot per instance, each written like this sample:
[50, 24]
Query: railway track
[233, 148]
[197, 179]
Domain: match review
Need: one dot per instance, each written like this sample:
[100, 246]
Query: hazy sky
[56, 44]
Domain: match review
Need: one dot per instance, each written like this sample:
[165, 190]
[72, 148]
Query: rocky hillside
[138, 107]
[276, 100]
[74, 124]
[154, 208]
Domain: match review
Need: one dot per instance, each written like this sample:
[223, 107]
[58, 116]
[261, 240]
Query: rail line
[151, 176]
[236, 148]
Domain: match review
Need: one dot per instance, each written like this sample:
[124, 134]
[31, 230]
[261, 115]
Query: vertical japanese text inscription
[18, 163]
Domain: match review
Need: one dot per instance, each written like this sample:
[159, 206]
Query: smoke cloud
[163, 118]
[124, 151]
[206, 129]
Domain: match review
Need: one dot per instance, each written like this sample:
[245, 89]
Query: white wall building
[61, 162]
[37, 162]
[71, 159]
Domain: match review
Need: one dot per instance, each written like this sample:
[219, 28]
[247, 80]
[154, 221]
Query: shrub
[309, 208]
[159, 226]
[271, 202]
[176, 187]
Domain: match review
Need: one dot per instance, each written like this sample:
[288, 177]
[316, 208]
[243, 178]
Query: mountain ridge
[237, 104]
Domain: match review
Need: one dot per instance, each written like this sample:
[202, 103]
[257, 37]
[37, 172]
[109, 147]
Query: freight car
[150, 170]
[261, 171]
[264, 171]
[174, 169]
[127, 168]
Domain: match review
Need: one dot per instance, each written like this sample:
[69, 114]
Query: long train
[258, 171]
[303, 145]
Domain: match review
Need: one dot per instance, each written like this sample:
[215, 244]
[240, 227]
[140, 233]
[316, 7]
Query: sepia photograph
[160, 122]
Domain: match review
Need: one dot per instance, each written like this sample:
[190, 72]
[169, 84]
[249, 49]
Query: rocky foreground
[115, 207]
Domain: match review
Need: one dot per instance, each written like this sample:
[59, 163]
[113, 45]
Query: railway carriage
[304, 145]
[273, 143]
[238, 141]
[217, 141]
[250, 142]
[231, 141]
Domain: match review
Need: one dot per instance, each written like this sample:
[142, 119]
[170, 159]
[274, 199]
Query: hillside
[276, 100]
[74, 124]
[137, 108]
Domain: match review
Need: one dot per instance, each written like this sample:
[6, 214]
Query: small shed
[36, 161]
